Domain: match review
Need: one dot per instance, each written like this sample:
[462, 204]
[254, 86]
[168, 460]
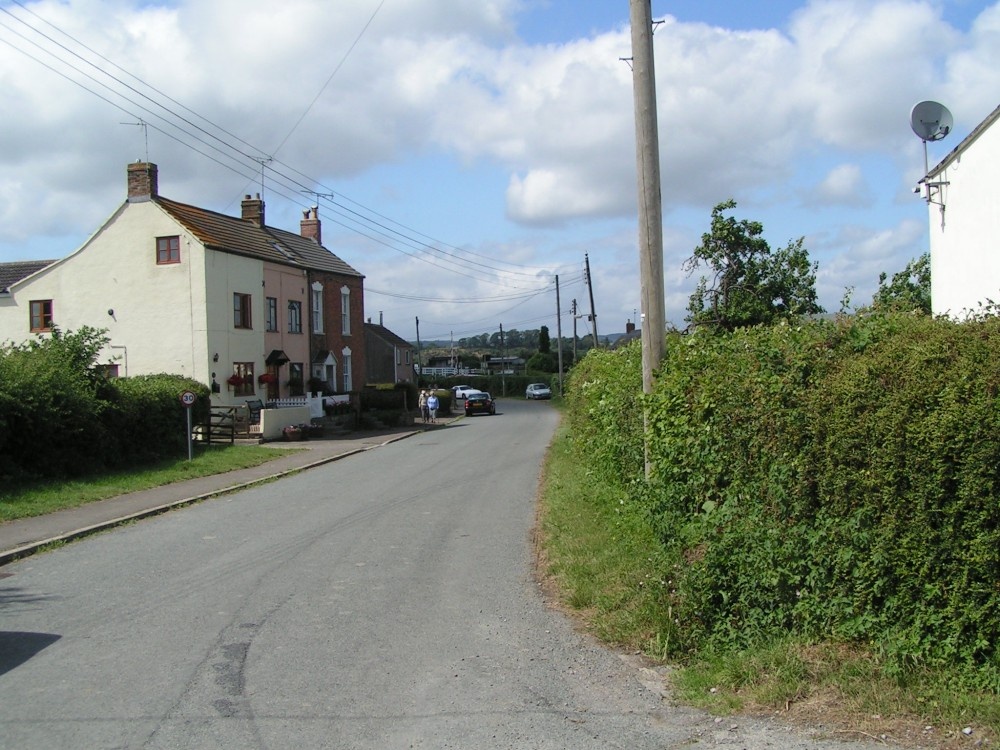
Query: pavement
[26, 536]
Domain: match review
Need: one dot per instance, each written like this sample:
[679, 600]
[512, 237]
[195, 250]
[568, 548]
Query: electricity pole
[503, 365]
[575, 316]
[420, 364]
[559, 335]
[590, 287]
[647, 148]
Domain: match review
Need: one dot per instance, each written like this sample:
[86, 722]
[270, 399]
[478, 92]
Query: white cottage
[962, 196]
[188, 291]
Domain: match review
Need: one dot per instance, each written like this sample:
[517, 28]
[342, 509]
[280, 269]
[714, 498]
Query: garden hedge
[835, 480]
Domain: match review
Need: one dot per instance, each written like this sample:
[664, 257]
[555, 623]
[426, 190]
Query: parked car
[459, 392]
[479, 403]
[538, 390]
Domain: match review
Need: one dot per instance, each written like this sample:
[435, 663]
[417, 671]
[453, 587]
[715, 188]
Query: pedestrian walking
[422, 403]
[432, 407]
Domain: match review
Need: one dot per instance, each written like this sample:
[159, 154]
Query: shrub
[832, 480]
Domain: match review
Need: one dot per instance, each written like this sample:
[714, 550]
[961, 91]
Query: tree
[544, 343]
[909, 290]
[749, 284]
[541, 362]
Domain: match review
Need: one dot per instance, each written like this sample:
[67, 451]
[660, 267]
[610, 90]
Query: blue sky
[474, 150]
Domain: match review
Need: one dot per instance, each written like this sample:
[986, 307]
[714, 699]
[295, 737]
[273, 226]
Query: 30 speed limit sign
[188, 398]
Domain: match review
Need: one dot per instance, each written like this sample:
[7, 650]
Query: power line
[360, 218]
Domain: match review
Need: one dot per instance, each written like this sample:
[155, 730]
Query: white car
[538, 390]
[459, 392]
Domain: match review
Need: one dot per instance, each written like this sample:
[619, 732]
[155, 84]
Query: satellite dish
[931, 121]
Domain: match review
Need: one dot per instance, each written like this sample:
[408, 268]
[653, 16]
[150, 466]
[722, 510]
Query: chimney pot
[142, 182]
[310, 226]
[253, 210]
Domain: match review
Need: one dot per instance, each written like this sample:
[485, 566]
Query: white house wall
[226, 275]
[153, 313]
[965, 251]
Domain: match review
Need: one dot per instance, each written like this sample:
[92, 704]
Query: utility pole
[559, 335]
[420, 364]
[647, 145]
[647, 152]
[590, 287]
[503, 365]
[575, 316]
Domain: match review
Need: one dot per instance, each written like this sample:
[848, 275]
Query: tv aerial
[930, 121]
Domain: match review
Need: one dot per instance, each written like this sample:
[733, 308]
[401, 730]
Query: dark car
[479, 403]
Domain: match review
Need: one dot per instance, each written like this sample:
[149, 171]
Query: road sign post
[187, 399]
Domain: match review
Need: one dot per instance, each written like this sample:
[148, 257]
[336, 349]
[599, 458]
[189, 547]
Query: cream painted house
[962, 194]
[183, 290]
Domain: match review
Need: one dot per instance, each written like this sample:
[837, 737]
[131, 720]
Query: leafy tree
[909, 290]
[749, 284]
[544, 343]
[542, 362]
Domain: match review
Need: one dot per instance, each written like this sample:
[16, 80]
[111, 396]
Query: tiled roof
[11, 273]
[232, 235]
[386, 335]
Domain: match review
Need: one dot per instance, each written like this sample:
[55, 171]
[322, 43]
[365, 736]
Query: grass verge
[600, 561]
[40, 498]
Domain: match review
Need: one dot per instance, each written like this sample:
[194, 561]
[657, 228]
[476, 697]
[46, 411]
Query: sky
[464, 154]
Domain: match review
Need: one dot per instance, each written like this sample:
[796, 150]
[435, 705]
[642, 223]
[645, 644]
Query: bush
[59, 417]
[832, 480]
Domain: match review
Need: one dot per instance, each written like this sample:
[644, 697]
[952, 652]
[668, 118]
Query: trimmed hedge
[834, 480]
[59, 417]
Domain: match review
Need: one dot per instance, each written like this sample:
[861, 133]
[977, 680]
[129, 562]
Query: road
[382, 601]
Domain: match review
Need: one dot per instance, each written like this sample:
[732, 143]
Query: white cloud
[844, 185]
[340, 96]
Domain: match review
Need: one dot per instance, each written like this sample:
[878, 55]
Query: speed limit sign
[188, 398]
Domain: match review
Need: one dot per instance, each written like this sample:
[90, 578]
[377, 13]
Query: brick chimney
[253, 210]
[142, 182]
[310, 226]
[629, 326]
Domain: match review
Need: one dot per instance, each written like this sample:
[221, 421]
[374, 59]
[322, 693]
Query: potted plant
[292, 433]
[267, 378]
[234, 380]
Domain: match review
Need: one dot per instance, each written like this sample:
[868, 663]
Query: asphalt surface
[25, 536]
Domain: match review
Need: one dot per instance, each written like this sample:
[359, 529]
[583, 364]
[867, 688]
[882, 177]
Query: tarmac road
[386, 600]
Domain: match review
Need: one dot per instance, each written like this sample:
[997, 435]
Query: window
[406, 356]
[168, 250]
[399, 356]
[295, 317]
[345, 311]
[108, 372]
[295, 384]
[241, 311]
[347, 369]
[272, 313]
[317, 308]
[242, 380]
[41, 315]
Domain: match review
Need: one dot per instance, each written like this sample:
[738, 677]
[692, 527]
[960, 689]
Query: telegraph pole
[503, 365]
[647, 148]
[420, 364]
[559, 335]
[650, 208]
[590, 287]
[575, 316]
